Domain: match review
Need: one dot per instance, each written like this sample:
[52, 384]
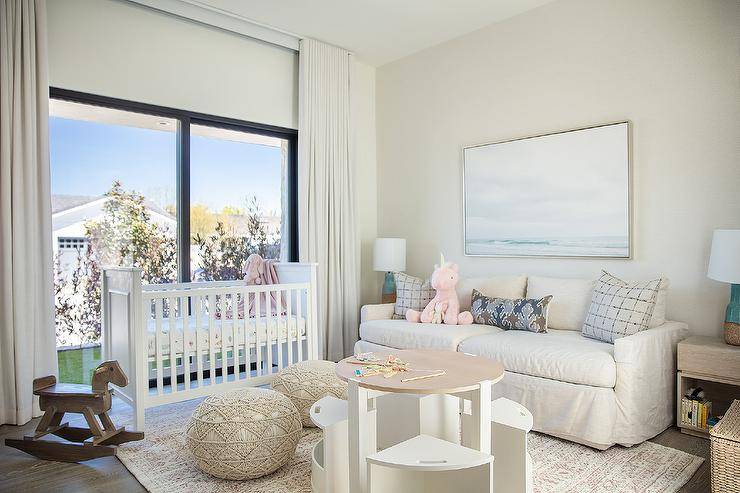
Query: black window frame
[184, 119]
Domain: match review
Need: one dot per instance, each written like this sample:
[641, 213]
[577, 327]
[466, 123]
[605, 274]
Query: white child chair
[330, 456]
[510, 424]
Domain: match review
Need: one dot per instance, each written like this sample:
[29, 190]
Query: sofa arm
[646, 381]
[376, 312]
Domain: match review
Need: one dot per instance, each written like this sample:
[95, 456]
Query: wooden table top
[463, 372]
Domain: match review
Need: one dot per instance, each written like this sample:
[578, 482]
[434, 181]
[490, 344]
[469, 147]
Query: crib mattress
[277, 325]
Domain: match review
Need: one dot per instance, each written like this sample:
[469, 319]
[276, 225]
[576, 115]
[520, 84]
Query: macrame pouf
[244, 434]
[307, 382]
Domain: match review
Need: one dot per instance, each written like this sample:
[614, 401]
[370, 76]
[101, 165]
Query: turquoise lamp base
[388, 293]
[732, 317]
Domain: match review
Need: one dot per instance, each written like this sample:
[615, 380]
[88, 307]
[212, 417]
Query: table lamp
[389, 256]
[724, 266]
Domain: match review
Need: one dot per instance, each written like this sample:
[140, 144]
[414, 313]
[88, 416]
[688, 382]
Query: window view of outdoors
[114, 192]
[235, 200]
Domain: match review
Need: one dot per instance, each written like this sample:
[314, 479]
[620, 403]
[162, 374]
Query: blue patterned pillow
[518, 314]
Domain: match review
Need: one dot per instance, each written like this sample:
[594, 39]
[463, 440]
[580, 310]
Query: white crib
[186, 340]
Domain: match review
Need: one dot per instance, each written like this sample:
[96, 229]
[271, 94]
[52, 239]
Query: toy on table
[93, 402]
[445, 306]
[389, 367]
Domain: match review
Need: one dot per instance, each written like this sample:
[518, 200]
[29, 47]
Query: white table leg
[480, 435]
[361, 443]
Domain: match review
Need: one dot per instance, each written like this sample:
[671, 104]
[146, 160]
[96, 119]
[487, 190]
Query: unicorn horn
[442, 259]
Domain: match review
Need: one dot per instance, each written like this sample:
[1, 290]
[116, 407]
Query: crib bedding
[277, 324]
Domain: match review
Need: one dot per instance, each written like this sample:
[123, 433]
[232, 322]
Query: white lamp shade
[724, 261]
[389, 254]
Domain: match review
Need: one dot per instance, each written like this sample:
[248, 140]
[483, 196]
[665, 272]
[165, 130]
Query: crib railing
[186, 340]
[262, 342]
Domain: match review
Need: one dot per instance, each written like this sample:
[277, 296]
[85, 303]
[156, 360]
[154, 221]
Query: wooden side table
[709, 363]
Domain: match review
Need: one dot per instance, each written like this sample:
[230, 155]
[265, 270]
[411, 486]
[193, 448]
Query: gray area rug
[162, 463]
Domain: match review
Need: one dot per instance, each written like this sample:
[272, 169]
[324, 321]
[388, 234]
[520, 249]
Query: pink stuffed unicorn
[444, 307]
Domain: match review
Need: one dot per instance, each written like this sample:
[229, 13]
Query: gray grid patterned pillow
[619, 308]
[411, 293]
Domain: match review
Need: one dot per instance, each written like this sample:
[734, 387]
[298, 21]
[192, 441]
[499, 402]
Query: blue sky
[87, 156]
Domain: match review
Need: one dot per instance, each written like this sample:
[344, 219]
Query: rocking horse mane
[108, 372]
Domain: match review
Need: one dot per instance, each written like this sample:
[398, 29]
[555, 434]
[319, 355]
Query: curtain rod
[197, 11]
[193, 10]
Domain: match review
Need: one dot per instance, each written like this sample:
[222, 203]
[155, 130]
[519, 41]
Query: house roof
[63, 202]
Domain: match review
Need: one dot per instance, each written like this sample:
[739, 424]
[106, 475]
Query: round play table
[466, 376]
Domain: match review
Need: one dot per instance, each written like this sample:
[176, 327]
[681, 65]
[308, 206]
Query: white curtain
[326, 191]
[27, 340]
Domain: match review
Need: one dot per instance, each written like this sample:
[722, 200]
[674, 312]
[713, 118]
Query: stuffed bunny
[444, 307]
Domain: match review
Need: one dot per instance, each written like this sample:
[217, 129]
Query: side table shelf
[431, 465]
[714, 366]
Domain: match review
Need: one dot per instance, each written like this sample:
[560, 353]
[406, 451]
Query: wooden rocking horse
[81, 444]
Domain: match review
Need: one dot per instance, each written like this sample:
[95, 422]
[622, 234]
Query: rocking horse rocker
[81, 444]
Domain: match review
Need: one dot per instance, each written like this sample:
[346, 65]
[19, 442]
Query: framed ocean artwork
[562, 194]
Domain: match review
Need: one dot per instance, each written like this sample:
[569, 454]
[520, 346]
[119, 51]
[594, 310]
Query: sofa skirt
[578, 413]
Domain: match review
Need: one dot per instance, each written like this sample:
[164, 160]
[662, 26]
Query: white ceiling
[377, 31]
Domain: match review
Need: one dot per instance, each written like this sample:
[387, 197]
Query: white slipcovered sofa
[579, 389]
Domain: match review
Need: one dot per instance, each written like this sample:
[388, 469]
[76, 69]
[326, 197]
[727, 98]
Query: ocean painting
[559, 195]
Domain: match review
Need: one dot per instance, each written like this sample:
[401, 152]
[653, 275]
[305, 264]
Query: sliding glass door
[182, 196]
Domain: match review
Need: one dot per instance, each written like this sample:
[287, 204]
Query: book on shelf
[695, 412]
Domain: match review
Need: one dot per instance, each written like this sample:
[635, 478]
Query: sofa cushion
[401, 334]
[562, 355]
[510, 287]
[658, 317]
[570, 300]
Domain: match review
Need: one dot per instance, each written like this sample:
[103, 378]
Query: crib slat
[268, 329]
[257, 336]
[288, 321]
[173, 350]
[298, 315]
[198, 348]
[224, 348]
[235, 333]
[185, 340]
[309, 325]
[279, 327]
[158, 344]
[247, 349]
[211, 338]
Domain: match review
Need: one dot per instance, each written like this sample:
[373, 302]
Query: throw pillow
[619, 308]
[411, 293]
[511, 314]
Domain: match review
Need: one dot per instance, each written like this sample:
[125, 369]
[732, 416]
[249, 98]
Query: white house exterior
[71, 212]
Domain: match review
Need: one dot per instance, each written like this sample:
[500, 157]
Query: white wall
[117, 49]
[671, 67]
[363, 111]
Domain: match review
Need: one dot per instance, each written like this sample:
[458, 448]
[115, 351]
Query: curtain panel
[27, 335]
[327, 232]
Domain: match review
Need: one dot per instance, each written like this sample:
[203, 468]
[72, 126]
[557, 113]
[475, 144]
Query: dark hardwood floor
[22, 473]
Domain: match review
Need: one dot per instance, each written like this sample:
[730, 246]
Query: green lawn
[77, 365]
